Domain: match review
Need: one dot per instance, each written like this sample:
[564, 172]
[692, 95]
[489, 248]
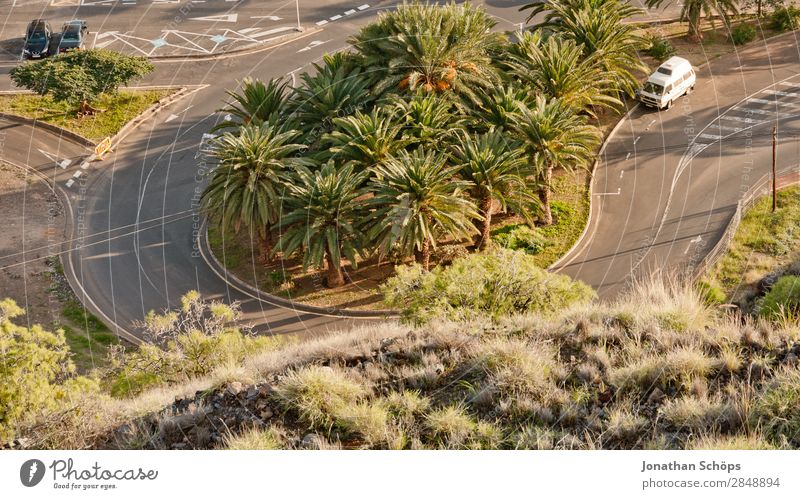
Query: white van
[671, 80]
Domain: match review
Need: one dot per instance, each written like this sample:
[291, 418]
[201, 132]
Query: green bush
[783, 299]
[659, 48]
[36, 373]
[743, 33]
[495, 284]
[712, 295]
[786, 18]
[187, 344]
[519, 237]
[777, 410]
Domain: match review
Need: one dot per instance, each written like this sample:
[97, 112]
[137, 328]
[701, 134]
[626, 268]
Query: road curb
[61, 132]
[232, 280]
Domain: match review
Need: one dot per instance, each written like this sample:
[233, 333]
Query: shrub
[786, 18]
[190, 342]
[451, 426]
[743, 33]
[256, 439]
[495, 284]
[711, 295]
[519, 237]
[659, 48]
[624, 426]
[316, 393]
[783, 299]
[516, 368]
[369, 422]
[694, 414]
[680, 365]
[36, 373]
[731, 442]
[777, 410]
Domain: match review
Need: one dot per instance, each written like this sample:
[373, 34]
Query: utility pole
[297, 7]
[774, 169]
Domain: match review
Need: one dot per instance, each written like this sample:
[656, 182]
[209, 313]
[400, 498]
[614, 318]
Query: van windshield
[653, 88]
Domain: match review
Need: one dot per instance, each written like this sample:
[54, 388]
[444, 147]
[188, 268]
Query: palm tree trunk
[335, 277]
[425, 255]
[544, 195]
[265, 246]
[695, 33]
[485, 240]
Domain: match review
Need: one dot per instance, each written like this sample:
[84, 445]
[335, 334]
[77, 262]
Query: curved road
[136, 211]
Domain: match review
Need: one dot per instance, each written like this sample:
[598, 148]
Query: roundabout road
[136, 220]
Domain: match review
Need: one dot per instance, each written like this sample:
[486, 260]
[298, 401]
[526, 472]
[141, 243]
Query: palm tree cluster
[418, 135]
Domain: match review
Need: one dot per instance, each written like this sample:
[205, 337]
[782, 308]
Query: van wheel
[689, 90]
[668, 106]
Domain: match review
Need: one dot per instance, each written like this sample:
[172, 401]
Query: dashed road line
[710, 136]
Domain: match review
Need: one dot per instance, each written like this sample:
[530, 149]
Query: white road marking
[70, 182]
[696, 240]
[627, 156]
[336, 17]
[710, 136]
[621, 173]
[271, 31]
[271, 18]
[741, 120]
[754, 111]
[636, 139]
[619, 191]
[248, 30]
[651, 123]
[313, 44]
[363, 7]
[350, 12]
[77, 174]
[223, 18]
[773, 102]
[730, 128]
[783, 94]
[64, 164]
[322, 23]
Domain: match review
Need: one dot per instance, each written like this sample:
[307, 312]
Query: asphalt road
[136, 211]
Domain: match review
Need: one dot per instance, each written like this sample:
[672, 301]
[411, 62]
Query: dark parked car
[37, 39]
[73, 36]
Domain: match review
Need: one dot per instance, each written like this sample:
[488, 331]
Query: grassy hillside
[657, 369]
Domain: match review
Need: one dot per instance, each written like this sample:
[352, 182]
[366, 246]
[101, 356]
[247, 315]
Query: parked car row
[39, 38]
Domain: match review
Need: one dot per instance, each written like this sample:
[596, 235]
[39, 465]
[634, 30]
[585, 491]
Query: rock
[179, 446]
[310, 441]
[791, 359]
[656, 396]
[266, 413]
[264, 390]
[234, 387]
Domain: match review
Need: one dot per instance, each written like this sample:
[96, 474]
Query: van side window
[668, 89]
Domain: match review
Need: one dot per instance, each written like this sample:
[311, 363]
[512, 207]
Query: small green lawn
[764, 242]
[117, 111]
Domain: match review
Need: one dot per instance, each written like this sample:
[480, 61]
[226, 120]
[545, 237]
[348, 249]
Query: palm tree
[597, 27]
[418, 200]
[556, 67]
[428, 118]
[256, 104]
[322, 213]
[497, 109]
[366, 139]
[431, 47]
[246, 186]
[497, 172]
[692, 10]
[337, 88]
[555, 137]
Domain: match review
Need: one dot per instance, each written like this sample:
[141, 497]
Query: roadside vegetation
[429, 137]
[764, 250]
[515, 365]
[114, 111]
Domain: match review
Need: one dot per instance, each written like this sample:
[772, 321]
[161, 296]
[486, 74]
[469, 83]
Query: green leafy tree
[693, 10]
[247, 185]
[599, 27]
[556, 67]
[498, 108]
[497, 172]
[433, 48]
[555, 136]
[80, 76]
[256, 103]
[418, 200]
[323, 213]
[367, 139]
